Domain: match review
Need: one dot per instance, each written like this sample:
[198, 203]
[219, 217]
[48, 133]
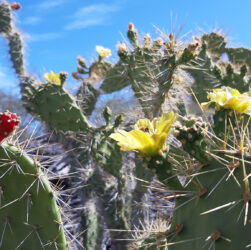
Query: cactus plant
[30, 217]
[217, 192]
[209, 154]
[205, 212]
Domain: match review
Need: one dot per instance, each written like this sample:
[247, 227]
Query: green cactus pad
[105, 150]
[239, 55]
[107, 153]
[224, 228]
[201, 69]
[29, 215]
[57, 108]
[16, 52]
[116, 78]
[87, 96]
[99, 69]
[5, 18]
[216, 44]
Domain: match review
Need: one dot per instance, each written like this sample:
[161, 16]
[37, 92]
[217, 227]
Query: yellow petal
[229, 98]
[205, 105]
[134, 140]
[52, 78]
[144, 125]
[160, 141]
[123, 141]
[150, 142]
[103, 52]
[165, 123]
[242, 105]
[145, 143]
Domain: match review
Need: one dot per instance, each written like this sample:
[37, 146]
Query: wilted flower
[122, 49]
[103, 52]
[229, 98]
[159, 40]
[147, 40]
[52, 78]
[147, 137]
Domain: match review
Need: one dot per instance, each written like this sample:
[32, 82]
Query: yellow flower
[52, 78]
[147, 137]
[103, 52]
[229, 98]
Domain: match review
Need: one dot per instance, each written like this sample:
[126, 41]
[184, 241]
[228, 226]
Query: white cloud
[8, 81]
[91, 15]
[3, 71]
[81, 24]
[42, 37]
[2, 74]
[95, 9]
[32, 20]
[50, 4]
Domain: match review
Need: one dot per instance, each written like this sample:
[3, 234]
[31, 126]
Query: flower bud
[75, 75]
[132, 35]
[81, 61]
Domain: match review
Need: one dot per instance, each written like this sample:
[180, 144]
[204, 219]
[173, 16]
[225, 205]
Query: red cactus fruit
[15, 6]
[8, 123]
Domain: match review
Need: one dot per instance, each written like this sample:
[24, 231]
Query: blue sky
[57, 31]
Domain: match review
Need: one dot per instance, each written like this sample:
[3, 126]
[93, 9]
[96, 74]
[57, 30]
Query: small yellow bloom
[147, 137]
[229, 98]
[103, 52]
[52, 78]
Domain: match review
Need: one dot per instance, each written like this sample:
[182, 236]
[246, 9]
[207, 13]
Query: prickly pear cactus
[216, 196]
[149, 69]
[213, 200]
[57, 108]
[207, 172]
[30, 217]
